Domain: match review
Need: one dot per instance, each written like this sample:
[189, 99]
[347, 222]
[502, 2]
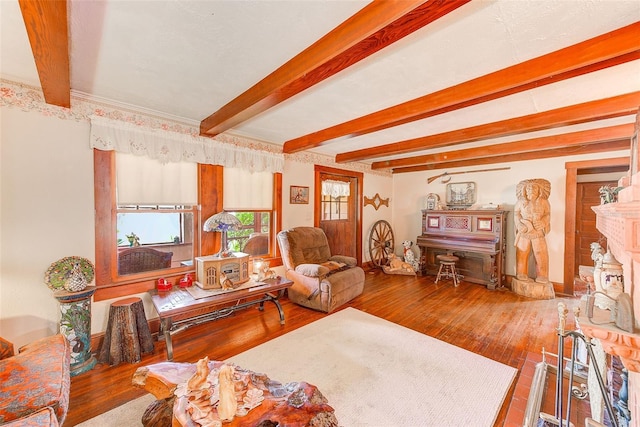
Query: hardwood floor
[497, 324]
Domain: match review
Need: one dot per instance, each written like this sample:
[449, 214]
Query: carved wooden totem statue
[532, 224]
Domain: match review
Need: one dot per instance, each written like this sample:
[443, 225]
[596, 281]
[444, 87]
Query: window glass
[334, 208]
[154, 238]
[254, 236]
[149, 228]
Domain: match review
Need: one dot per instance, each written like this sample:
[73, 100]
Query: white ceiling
[187, 59]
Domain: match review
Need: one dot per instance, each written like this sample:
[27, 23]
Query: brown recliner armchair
[320, 281]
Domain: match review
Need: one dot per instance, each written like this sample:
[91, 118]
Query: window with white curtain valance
[335, 189]
[167, 147]
[244, 190]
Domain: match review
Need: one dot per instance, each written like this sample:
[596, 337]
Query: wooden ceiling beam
[565, 140]
[601, 147]
[47, 28]
[606, 50]
[375, 27]
[601, 109]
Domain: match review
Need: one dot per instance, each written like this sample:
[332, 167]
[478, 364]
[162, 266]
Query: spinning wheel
[380, 243]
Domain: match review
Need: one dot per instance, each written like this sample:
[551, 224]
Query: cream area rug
[374, 373]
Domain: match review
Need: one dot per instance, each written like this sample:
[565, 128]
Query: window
[166, 229]
[155, 225]
[335, 200]
[136, 243]
[249, 196]
[111, 284]
[254, 236]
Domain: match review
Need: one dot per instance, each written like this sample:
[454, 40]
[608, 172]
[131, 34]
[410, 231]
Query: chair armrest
[343, 259]
[312, 270]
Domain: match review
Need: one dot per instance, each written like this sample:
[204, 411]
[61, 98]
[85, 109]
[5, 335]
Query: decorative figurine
[409, 255]
[532, 224]
[609, 194]
[186, 281]
[225, 282]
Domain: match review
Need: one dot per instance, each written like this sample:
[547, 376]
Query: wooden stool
[448, 268]
[127, 336]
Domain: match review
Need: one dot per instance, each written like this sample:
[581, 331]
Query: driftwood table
[209, 393]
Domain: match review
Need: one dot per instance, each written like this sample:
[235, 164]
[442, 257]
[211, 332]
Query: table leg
[165, 329]
[274, 298]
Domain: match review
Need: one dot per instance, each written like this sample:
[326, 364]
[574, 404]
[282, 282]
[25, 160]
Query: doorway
[575, 212]
[338, 209]
[586, 231]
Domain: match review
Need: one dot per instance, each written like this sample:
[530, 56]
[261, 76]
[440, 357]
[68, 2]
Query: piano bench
[448, 269]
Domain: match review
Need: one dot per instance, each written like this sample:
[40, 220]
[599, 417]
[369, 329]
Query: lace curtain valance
[167, 146]
[335, 188]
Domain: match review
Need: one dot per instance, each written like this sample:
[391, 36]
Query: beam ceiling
[46, 24]
[375, 27]
[601, 147]
[617, 106]
[600, 52]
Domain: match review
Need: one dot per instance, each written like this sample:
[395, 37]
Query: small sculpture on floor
[397, 266]
[409, 255]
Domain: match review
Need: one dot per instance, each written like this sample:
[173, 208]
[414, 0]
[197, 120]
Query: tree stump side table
[127, 336]
[75, 325]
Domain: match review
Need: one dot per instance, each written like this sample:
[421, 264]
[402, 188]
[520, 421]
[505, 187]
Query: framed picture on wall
[298, 195]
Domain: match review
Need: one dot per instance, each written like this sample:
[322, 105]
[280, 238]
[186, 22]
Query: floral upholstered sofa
[34, 384]
[321, 281]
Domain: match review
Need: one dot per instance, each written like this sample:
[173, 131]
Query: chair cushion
[36, 378]
[312, 270]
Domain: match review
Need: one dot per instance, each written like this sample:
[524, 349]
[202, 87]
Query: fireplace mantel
[614, 341]
[620, 223]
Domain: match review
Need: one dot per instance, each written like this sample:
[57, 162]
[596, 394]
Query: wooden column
[127, 336]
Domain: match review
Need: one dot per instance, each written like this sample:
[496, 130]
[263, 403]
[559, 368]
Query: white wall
[47, 209]
[299, 173]
[384, 187]
[498, 187]
[47, 213]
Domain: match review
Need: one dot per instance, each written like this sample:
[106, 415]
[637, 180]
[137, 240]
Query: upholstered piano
[477, 237]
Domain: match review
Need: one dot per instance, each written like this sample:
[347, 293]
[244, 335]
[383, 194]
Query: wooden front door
[339, 213]
[587, 195]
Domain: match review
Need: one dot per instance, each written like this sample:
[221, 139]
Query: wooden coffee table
[179, 310]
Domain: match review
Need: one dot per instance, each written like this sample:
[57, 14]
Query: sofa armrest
[343, 259]
[36, 378]
[41, 418]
